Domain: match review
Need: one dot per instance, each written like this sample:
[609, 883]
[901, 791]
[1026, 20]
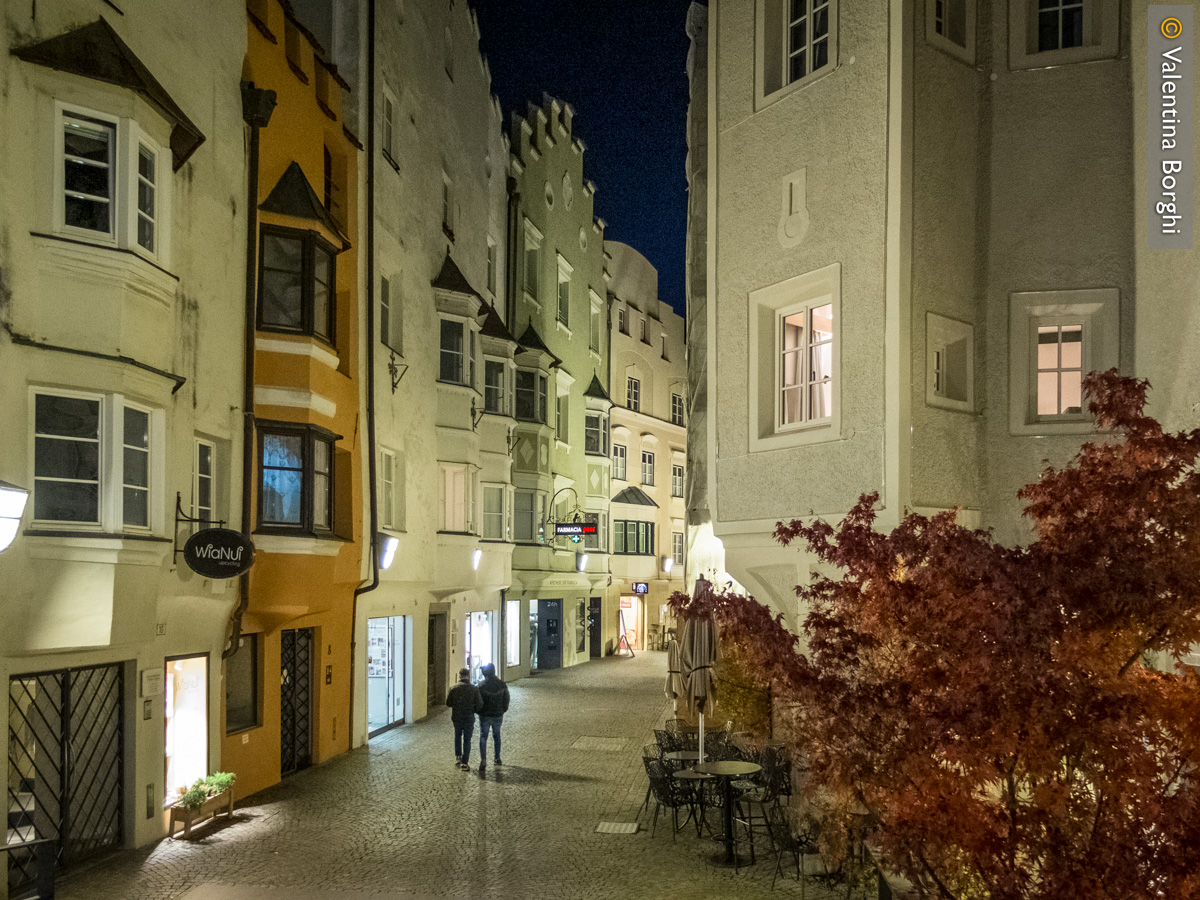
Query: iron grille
[65, 769]
[295, 700]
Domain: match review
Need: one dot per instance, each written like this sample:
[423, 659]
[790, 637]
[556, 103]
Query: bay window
[296, 283]
[457, 358]
[595, 434]
[531, 396]
[295, 478]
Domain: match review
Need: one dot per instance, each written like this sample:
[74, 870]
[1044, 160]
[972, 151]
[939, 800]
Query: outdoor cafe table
[727, 770]
[688, 756]
[696, 808]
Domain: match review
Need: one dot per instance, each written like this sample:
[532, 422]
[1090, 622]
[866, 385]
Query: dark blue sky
[621, 64]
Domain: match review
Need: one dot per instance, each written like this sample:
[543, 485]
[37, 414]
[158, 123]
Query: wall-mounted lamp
[476, 557]
[476, 415]
[668, 564]
[387, 550]
[581, 561]
[12, 507]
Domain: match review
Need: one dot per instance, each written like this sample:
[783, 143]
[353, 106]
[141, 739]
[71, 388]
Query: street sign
[218, 553]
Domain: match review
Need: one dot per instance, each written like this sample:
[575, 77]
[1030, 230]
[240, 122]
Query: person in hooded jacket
[495, 704]
[464, 701]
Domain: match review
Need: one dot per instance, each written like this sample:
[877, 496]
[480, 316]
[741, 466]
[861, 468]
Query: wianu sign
[218, 553]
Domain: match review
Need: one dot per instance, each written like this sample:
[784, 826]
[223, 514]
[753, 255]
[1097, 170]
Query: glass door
[187, 723]
[386, 672]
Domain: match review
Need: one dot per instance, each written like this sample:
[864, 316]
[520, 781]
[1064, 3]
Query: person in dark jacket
[464, 701]
[495, 704]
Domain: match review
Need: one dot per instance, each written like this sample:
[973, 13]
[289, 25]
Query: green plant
[218, 782]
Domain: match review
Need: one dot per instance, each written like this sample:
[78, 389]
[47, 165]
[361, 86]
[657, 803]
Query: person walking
[495, 704]
[464, 701]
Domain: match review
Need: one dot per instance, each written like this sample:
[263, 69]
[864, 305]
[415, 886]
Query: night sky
[621, 64]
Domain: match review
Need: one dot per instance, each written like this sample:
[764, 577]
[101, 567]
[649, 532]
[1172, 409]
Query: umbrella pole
[701, 737]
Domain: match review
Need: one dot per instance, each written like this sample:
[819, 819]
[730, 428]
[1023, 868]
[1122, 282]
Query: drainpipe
[370, 390]
[257, 106]
[516, 238]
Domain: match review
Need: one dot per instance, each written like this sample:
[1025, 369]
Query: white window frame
[942, 332]
[595, 323]
[633, 393]
[540, 398]
[456, 498]
[776, 31]
[387, 137]
[505, 405]
[1098, 310]
[469, 351]
[536, 512]
[563, 295]
[676, 480]
[648, 468]
[601, 429]
[562, 419]
[622, 320]
[766, 306]
[1101, 26]
[111, 464]
[532, 282]
[678, 410]
[964, 52]
[808, 419]
[620, 462]
[501, 518]
[387, 488]
[128, 140]
[677, 548]
[197, 509]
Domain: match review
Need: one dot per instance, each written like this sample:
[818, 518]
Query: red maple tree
[1017, 720]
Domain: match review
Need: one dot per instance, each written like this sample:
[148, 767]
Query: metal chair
[667, 792]
[797, 842]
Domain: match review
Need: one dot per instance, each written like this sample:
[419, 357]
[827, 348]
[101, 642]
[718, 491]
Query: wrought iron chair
[797, 841]
[667, 793]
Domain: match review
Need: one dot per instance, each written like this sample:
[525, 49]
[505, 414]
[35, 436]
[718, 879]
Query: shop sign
[641, 587]
[626, 603]
[218, 553]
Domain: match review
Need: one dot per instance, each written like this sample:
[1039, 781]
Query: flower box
[209, 809]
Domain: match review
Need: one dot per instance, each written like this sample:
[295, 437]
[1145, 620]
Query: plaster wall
[88, 600]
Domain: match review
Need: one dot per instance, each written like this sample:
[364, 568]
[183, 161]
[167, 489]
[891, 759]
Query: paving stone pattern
[397, 820]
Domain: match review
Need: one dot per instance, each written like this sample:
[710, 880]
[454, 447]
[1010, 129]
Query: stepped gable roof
[494, 327]
[294, 196]
[596, 389]
[96, 51]
[634, 496]
[451, 278]
[531, 342]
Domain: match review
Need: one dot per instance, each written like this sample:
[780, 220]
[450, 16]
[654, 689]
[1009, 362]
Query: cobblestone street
[396, 820]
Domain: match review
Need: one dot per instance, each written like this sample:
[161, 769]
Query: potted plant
[203, 800]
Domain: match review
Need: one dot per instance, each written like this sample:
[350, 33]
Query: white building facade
[899, 293]
[649, 446]
[121, 391]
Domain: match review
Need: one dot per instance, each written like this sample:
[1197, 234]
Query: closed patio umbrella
[675, 688]
[700, 651]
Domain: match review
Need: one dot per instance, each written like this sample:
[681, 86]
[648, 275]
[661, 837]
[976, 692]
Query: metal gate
[65, 764]
[295, 695]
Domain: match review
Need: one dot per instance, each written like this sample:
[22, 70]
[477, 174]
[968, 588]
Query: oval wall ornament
[218, 553]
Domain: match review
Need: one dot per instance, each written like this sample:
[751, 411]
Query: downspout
[516, 237]
[257, 106]
[372, 474]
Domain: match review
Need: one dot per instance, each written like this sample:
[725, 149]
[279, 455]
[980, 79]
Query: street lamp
[387, 549]
[12, 507]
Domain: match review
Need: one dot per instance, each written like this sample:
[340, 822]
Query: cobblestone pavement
[397, 821]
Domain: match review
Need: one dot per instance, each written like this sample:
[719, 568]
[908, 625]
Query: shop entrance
[595, 650]
[545, 632]
[295, 700]
[65, 765]
[387, 672]
[478, 641]
[186, 686]
[630, 620]
[435, 673]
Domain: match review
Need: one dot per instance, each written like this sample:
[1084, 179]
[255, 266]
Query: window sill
[298, 544]
[1051, 427]
[533, 301]
[595, 355]
[563, 327]
[562, 445]
[390, 160]
[816, 433]
[96, 547]
[762, 102]
[315, 348]
[245, 730]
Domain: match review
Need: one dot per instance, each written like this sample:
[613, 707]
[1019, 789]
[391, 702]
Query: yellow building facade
[288, 686]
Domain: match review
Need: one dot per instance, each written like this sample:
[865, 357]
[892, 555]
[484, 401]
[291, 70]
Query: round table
[682, 755]
[727, 770]
[696, 810]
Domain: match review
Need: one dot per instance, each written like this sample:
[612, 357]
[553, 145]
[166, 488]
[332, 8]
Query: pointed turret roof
[532, 342]
[451, 278]
[494, 327]
[635, 496]
[294, 196]
[596, 389]
[96, 51]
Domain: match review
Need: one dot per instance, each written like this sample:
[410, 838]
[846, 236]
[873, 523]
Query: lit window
[676, 481]
[296, 283]
[296, 478]
[531, 396]
[595, 434]
[797, 40]
[618, 470]
[806, 365]
[647, 468]
[676, 409]
[1060, 370]
[633, 393]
